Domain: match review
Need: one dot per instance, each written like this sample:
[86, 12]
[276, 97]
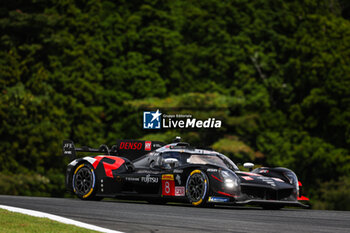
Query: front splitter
[271, 202]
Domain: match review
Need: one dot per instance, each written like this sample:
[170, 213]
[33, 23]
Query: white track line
[58, 219]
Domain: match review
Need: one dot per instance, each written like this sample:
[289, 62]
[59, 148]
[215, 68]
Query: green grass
[15, 222]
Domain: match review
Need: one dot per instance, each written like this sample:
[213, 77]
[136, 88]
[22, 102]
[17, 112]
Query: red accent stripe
[98, 160]
[302, 198]
[108, 167]
[216, 178]
[226, 194]
[299, 183]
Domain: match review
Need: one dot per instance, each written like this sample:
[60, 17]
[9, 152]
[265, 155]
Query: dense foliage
[276, 72]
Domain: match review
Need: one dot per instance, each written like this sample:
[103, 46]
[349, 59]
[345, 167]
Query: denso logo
[130, 145]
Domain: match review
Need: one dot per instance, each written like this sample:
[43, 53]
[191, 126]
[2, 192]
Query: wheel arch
[72, 166]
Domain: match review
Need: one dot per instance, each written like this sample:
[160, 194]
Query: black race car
[177, 172]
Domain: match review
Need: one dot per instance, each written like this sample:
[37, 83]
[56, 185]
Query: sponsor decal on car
[149, 179]
[178, 179]
[168, 177]
[212, 170]
[134, 179]
[148, 145]
[178, 171]
[218, 199]
[168, 185]
[180, 191]
[130, 145]
[67, 147]
[157, 145]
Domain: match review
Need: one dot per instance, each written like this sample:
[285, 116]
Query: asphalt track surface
[143, 217]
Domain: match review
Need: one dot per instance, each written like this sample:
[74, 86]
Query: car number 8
[167, 187]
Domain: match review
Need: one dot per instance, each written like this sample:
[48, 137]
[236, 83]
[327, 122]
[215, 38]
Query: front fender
[280, 172]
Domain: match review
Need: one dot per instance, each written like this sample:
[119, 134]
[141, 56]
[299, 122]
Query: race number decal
[168, 185]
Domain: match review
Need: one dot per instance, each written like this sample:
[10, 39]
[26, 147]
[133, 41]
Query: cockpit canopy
[171, 159]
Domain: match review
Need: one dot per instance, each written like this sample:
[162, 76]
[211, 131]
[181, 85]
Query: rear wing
[130, 149]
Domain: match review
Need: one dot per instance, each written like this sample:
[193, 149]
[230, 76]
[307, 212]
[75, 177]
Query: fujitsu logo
[149, 179]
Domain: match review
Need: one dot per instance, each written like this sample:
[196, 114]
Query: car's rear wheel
[197, 186]
[84, 182]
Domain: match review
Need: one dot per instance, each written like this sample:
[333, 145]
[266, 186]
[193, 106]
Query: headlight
[229, 179]
[293, 179]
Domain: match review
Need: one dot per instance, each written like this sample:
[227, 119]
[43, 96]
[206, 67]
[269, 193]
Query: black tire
[84, 182]
[197, 187]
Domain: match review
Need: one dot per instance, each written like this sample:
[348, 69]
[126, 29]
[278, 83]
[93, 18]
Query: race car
[176, 172]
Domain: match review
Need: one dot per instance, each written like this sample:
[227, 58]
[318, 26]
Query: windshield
[231, 165]
[213, 159]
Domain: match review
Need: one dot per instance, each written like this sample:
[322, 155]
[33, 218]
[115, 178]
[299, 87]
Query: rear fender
[104, 166]
[70, 171]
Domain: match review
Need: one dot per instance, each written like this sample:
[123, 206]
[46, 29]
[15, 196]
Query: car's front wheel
[84, 182]
[197, 186]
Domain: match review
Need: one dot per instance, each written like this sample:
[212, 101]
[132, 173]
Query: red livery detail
[302, 198]
[130, 145]
[264, 171]
[148, 145]
[107, 166]
[168, 185]
[299, 183]
[216, 178]
[250, 174]
[226, 194]
[247, 178]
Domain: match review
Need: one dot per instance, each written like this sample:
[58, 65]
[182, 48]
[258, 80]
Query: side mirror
[248, 165]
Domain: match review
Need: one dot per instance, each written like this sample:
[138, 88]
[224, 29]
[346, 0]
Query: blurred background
[276, 72]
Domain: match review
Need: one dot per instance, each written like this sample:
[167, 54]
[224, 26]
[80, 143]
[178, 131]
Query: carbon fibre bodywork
[179, 173]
